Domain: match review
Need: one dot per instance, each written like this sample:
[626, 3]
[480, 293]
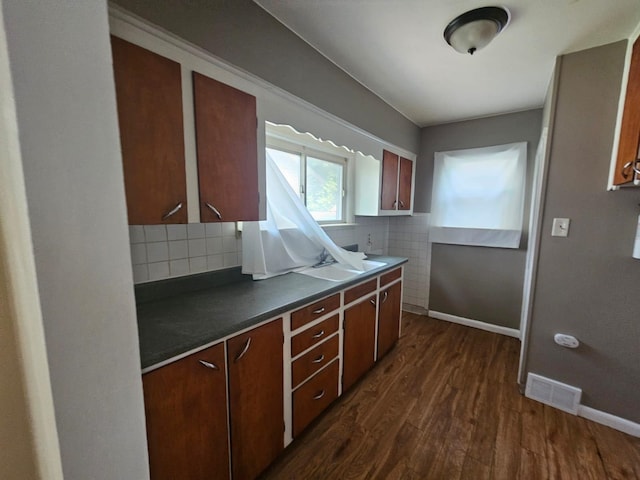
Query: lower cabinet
[186, 415]
[359, 340]
[314, 396]
[219, 413]
[256, 399]
[389, 318]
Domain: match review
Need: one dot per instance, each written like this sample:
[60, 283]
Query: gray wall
[243, 34]
[588, 284]
[65, 100]
[479, 283]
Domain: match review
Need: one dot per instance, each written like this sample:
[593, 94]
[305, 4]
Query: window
[317, 177]
[478, 196]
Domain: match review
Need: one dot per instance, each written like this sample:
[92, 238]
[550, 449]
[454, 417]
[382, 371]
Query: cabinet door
[404, 184]
[186, 415]
[389, 194]
[629, 146]
[226, 142]
[359, 340]
[149, 99]
[389, 318]
[256, 399]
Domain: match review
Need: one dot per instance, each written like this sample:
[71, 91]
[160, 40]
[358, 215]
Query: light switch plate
[560, 227]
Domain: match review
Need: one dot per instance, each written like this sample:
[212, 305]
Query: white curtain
[289, 239]
[478, 196]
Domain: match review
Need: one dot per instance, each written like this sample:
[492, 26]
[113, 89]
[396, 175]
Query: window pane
[324, 189]
[289, 166]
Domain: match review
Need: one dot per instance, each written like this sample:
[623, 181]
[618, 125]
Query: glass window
[478, 196]
[317, 178]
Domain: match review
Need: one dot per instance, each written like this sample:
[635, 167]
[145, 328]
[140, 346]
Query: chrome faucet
[324, 259]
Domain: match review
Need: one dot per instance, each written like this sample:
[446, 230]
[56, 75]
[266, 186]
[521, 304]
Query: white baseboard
[604, 418]
[510, 332]
[407, 307]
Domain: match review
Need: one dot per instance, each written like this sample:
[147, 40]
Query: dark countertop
[179, 315]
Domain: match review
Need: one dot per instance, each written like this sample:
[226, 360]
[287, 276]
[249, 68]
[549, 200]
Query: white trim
[119, 16]
[604, 418]
[510, 332]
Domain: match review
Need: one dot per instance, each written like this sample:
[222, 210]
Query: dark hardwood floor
[444, 404]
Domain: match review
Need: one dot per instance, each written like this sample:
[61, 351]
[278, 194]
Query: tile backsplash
[409, 237]
[163, 251]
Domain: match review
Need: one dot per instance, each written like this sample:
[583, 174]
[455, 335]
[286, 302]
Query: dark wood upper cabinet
[149, 100]
[226, 142]
[389, 195]
[359, 340]
[256, 399]
[186, 415]
[397, 175]
[404, 184]
[389, 318]
[629, 145]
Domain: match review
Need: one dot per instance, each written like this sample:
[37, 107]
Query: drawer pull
[386, 294]
[210, 365]
[319, 359]
[214, 210]
[319, 395]
[372, 302]
[244, 350]
[319, 334]
[173, 211]
[318, 311]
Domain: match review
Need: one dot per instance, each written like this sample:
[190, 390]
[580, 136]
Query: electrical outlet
[560, 227]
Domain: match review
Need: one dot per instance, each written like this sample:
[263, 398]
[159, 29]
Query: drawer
[313, 360]
[315, 310]
[360, 291]
[311, 336]
[314, 396]
[390, 277]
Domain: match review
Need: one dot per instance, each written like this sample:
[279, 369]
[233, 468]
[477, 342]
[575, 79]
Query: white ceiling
[395, 48]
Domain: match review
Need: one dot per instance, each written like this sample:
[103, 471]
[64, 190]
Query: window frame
[305, 151]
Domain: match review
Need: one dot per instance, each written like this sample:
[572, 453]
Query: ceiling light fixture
[474, 29]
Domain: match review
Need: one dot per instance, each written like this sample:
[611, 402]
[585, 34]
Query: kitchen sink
[338, 272]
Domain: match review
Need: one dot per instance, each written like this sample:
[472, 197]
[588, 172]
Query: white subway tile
[158, 270]
[157, 252]
[179, 267]
[197, 264]
[155, 233]
[138, 254]
[197, 248]
[228, 229]
[136, 234]
[214, 245]
[230, 259]
[140, 273]
[195, 230]
[229, 245]
[215, 262]
[177, 232]
[213, 229]
[178, 249]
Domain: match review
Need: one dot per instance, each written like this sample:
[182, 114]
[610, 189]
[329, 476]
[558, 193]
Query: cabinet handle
[244, 350]
[394, 204]
[318, 311]
[319, 395]
[214, 210]
[386, 294]
[401, 204]
[319, 359]
[172, 211]
[210, 365]
[372, 302]
[633, 165]
[319, 334]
